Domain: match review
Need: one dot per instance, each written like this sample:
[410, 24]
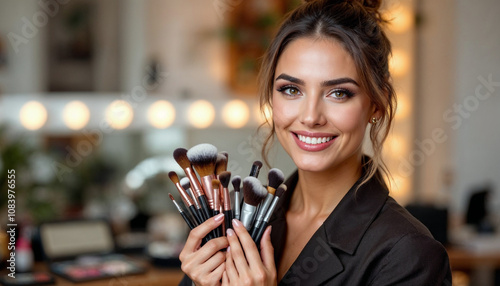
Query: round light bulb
[201, 114]
[76, 115]
[161, 114]
[399, 63]
[401, 19]
[119, 114]
[33, 115]
[235, 113]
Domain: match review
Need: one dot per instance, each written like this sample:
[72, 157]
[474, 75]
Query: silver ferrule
[263, 208]
[237, 204]
[247, 215]
[177, 206]
[271, 209]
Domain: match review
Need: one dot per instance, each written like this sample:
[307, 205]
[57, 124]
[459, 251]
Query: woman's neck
[318, 193]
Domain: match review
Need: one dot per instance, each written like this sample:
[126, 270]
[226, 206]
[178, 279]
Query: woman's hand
[244, 264]
[204, 265]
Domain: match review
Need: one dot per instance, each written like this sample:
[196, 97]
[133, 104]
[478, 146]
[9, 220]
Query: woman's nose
[312, 112]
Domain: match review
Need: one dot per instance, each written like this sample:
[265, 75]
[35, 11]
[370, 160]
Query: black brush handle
[218, 230]
[228, 218]
[254, 172]
[196, 214]
[204, 206]
[259, 233]
[187, 220]
[255, 230]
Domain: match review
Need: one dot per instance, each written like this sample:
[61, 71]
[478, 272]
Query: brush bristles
[221, 164]
[225, 154]
[281, 190]
[215, 184]
[185, 183]
[275, 177]
[236, 183]
[258, 164]
[203, 158]
[224, 178]
[180, 156]
[171, 197]
[173, 177]
[253, 191]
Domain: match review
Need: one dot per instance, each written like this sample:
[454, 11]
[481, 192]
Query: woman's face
[320, 112]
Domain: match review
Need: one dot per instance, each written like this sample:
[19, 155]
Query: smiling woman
[326, 79]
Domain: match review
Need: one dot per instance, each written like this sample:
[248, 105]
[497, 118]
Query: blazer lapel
[316, 264]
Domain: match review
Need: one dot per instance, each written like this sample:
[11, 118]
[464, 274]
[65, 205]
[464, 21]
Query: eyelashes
[337, 93]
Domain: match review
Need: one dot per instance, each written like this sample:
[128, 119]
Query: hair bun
[372, 4]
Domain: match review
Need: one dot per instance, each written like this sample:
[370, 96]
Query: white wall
[477, 151]
[26, 66]
[459, 41]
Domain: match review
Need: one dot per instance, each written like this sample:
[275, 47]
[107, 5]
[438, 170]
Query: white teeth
[314, 140]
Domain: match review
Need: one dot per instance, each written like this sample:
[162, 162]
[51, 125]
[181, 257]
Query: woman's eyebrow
[339, 81]
[290, 78]
[324, 83]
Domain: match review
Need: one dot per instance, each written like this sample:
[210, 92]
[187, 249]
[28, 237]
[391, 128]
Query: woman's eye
[341, 94]
[289, 91]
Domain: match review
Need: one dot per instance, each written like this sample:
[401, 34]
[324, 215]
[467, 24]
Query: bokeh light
[33, 115]
[119, 114]
[399, 63]
[76, 115]
[401, 19]
[161, 114]
[201, 114]
[235, 113]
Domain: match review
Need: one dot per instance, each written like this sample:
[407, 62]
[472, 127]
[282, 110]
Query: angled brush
[275, 178]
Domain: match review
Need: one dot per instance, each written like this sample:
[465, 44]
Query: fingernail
[228, 248]
[218, 217]
[236, 223]
[229, 232]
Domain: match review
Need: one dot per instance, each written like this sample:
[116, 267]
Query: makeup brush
[279, 193]
[188, 202]
[254, 172]
[216, 193]
[224, 178]
[203, 158]
[180, 156]
[186, 185]
[181, 211]
[221, 164]
[237, 198]
[275, 179]
[225, 154]
[253, 194]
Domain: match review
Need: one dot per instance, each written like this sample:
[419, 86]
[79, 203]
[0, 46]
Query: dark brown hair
[356, 25]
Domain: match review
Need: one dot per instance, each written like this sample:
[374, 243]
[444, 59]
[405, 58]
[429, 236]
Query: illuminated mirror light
[399, 63]
[404, 107]
[201, 114]
[161, 114]
[262, 115]
[400, 189]
[33, 115]
[76, 115]
[401, 19]
[119, 114]
[396, 146]
[235, 114]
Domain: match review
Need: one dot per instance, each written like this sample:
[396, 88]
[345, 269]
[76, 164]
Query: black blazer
[368, 239]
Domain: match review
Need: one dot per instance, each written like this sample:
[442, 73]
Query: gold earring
[374, 120]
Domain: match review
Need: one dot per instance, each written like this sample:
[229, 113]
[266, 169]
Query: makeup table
[153, 277]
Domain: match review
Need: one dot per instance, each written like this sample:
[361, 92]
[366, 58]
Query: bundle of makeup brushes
[207, 194]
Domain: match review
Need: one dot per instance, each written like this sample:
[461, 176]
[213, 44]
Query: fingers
[225, 280]
[236, 252]
[267, 250]
[196, 235]
[249, 247]
[231, 272]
